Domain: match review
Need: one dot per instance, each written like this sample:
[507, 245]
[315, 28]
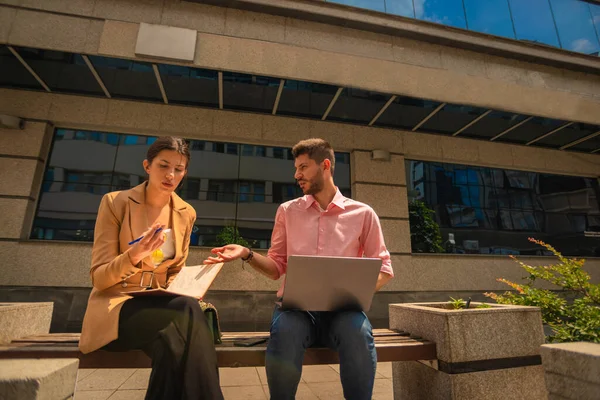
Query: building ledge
[373, 21]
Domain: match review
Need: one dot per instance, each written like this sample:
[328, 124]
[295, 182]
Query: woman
[172, 330]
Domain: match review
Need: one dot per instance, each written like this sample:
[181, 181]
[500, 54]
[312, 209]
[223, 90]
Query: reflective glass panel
[534, 22]
[234, 188]
[588, 145]
[575, 26]
[400, 7]
[249, 92]
[531, 129]
[595, 11]
[445, 12]
[185, 85]
[481, 210]
[305, 99]
[406, 112]
[569, 134]
[127, 79]
[62, 72]
[451, 118]
[358, 106]
[493, 124]
[13, 73]
[490, 16]
[377, 5]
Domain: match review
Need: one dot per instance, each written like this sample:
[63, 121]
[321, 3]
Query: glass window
[595, 11]
[13, 73]
[534, 22]
[531, 130]
[490, 16]
[194, 86]
[305, 99]
[400, 7]
[62, 72]
[406, 112]
[127, 79]
[233, 196]
[569, 134]
[451, 118]
[493, 211]
[249, 92]
[493, 124]
[377, 5]
[358, 106]
[445, 12]
[575, 26]
[587, 146]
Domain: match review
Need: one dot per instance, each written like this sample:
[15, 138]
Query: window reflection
[127, 79]
[493, 211]
[534, 22]
[13, 73]
[377, 5]
[305, 99]
[400, 7]
[575, 26]
[62, 72]
[357, 105]
[595, 12]
[445, 12]
[490, 16]
[234, 188]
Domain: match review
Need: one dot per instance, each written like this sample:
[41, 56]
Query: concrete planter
[572, 370]
[24, 319]
[490, 353]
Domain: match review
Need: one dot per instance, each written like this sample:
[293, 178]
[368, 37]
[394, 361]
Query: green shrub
[573, 312]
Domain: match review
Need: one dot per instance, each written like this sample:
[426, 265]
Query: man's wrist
[249, 254]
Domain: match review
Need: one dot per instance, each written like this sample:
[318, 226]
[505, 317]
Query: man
[323, 222]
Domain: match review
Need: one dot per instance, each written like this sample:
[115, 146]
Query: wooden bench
[391, 346]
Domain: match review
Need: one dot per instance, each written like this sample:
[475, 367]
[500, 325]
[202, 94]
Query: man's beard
[315, 185]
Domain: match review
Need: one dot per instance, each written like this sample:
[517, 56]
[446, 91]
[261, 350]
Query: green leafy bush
[573, 312]
[231, 235]
[425, 236]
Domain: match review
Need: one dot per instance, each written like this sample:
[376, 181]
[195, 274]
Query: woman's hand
[152, 240]
[227, 253]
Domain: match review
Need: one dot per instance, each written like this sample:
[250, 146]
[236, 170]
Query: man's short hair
[316, 149]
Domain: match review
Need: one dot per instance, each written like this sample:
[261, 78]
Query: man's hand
[227, 253]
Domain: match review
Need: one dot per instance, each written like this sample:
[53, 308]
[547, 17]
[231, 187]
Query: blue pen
[141, 237]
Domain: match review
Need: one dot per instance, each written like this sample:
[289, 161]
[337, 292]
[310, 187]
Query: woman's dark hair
[169, 143]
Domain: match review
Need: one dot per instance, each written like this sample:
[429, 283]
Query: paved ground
[318, 382]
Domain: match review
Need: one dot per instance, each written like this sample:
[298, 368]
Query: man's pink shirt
[347, 228]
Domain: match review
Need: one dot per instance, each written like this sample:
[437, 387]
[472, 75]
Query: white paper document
[192, 281]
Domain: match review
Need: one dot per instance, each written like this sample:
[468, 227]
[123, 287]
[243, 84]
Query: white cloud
[582, 46]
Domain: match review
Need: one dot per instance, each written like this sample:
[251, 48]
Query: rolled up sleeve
[374, 243]
[278, 250]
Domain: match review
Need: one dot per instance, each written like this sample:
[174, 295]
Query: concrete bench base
[35, 379]
[24, 319]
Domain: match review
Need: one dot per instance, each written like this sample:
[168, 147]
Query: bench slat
[390, 345]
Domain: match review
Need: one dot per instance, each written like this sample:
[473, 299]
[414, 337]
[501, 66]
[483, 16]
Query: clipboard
[192, 281]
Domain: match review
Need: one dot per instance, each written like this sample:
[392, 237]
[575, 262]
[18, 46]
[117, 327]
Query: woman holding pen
[141, 240]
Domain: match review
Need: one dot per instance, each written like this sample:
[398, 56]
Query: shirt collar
[338, 200]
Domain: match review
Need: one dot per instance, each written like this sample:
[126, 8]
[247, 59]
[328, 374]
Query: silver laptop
[318, 283]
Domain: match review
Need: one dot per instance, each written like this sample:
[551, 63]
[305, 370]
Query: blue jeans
[348, 332]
